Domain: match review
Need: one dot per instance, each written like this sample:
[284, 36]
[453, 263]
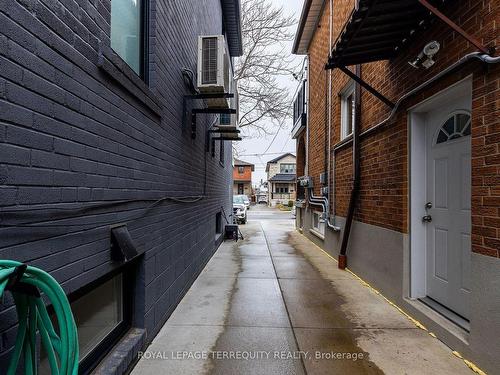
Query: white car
[239, 209]
[247, 201]
[262, 198]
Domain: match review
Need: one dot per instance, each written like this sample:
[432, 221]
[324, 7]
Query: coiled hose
[62, 349]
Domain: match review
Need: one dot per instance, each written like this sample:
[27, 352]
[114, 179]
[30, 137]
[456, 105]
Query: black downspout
[356, 172]
[325, 166]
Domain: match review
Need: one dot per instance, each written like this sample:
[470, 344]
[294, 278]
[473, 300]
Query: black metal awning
[378, 30]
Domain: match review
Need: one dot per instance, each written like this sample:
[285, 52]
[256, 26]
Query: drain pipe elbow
[331, 225]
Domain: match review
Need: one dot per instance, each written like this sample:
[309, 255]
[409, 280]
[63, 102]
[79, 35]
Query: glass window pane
[98, 313]
[449, 125]
[350, 114]
[126, 33]
[442, 137]
[462, 120]
[466, 131]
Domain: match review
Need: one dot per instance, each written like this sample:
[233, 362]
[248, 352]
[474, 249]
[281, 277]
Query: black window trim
[119, 70]
[144, 46]
[87, 365]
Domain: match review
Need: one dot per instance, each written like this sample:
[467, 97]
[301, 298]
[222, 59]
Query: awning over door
[378, 30]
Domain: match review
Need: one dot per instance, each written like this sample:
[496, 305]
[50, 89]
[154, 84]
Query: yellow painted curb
[469, 364]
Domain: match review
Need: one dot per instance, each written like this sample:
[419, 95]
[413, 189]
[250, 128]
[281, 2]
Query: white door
[447, 205]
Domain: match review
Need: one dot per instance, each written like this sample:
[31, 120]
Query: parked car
[247, 201]
[262, 198]
[239, 209]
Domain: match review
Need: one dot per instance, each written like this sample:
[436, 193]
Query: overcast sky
[283, 142]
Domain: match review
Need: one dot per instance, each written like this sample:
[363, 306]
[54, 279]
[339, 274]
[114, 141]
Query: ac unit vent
[209, 58]
[215, 74]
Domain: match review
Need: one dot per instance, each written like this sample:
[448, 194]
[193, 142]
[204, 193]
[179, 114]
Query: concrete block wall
[74, 133]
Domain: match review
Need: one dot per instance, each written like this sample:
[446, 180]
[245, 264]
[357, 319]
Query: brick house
[398, 156]
[281, 179]
[92, 135]
[242, 177]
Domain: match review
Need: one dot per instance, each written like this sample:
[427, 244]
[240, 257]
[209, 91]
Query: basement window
[318, 224]
[102, 312]
[347, 110]
[218, 223]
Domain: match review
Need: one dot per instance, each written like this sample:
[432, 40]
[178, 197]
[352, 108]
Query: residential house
[242, 177]
[398, 156]
[96, 149]
[281, 179]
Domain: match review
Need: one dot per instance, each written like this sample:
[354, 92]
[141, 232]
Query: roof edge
[300, 27]
[302, 21]
[231, 10]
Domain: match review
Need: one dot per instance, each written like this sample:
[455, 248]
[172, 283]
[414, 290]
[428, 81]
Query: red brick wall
[383, 197]
[486, 162]
[317, 76]
[245, 176]
[301, 155]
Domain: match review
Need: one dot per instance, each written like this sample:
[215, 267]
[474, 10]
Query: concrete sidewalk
[275, 304]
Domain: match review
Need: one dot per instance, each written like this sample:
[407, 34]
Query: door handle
[427, 218]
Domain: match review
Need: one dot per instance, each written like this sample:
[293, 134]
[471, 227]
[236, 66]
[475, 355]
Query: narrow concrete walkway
[275, 304]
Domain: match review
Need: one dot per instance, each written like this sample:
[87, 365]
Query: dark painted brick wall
[71, 135]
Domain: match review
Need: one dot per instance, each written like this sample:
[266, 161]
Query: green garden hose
[62, 349]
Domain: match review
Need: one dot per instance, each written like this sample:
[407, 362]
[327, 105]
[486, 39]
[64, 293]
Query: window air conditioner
[214, 69]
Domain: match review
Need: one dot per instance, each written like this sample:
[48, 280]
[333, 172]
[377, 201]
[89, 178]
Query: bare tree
[264, 105]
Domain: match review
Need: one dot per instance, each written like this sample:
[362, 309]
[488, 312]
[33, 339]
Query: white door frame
[417, 180]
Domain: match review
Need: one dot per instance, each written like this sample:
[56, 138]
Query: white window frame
[317, 224]
[344, 103]
[288, 169]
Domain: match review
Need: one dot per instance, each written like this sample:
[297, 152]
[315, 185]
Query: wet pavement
[274, 303]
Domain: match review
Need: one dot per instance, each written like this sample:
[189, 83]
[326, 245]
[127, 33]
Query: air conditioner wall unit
[214, 69]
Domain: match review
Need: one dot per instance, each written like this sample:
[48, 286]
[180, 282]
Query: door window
[456, 126]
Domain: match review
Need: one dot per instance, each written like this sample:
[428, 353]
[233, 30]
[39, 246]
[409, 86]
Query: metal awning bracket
[195, 111]
[458, 29]
[366, 86]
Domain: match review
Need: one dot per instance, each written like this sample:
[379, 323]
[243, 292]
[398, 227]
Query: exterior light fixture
[425, 58]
